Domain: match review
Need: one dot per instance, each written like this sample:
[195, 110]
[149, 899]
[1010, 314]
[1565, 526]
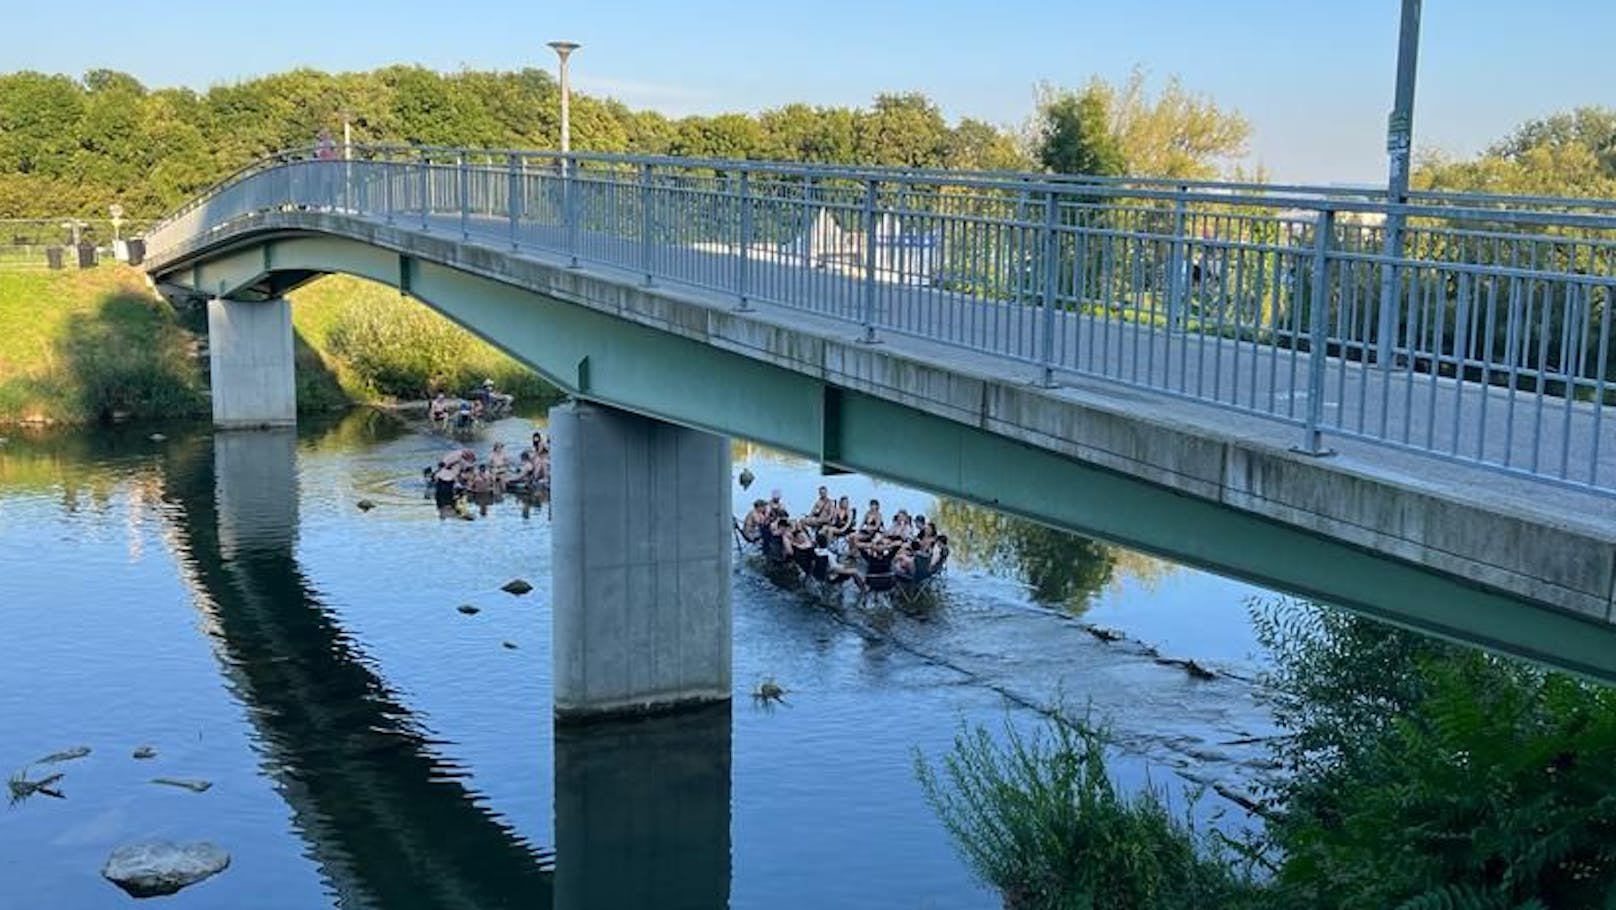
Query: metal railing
[1486, 340]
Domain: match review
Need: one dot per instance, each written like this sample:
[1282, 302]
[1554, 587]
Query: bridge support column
[250, 363]
[642, 556]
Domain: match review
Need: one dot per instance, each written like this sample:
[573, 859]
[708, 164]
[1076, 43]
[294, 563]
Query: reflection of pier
[387, 818]
[642, 808]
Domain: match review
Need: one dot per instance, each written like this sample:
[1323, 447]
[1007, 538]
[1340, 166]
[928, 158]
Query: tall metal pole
[564, 50]
[1399, 142]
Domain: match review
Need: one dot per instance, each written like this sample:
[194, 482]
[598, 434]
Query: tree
[1075, 135]
[1107, 130]
[1570, 153]
[903, 130]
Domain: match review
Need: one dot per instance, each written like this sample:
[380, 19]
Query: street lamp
[1399, 143]
[564, 50]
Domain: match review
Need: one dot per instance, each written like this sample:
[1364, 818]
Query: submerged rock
[153, 868]
[468, 609]
[508, 645]
[184, 783]
[64, 755]
[516, 586]
[365, 505]
[145, 752]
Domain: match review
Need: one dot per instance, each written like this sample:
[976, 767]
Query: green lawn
[79, 346]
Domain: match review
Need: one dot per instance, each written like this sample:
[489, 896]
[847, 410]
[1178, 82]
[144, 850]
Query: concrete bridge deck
[1506, 561]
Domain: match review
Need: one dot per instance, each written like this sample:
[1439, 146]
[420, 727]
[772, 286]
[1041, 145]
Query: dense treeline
[76, 145]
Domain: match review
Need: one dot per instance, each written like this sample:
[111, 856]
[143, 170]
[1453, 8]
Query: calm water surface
[224, 601]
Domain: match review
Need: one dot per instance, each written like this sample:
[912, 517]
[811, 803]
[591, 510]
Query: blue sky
[1313, 76]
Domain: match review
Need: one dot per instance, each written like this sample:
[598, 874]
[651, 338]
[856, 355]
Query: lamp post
[564, 50]
[1399, 143]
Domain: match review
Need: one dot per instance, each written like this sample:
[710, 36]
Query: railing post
[569, 206]
[1051, 246]
[646, 223]
[1317, 336]
[869, 261]
[1176, 263]
[387, 189]
[426, 192]
[743, 278]
[808, 221]
[465, 194]
[513, 195]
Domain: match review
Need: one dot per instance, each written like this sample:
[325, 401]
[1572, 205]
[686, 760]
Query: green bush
[1040, 819]
[1428, 775]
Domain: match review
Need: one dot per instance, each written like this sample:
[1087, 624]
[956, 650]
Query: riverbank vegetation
[378, 345]
[82, 346]
[1413, 774]
[96, 345]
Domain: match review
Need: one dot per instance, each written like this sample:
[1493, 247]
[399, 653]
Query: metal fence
[1479, 330]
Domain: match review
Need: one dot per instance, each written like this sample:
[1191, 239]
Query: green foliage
[382, 345]
[1076, 139]
[1432, 776]
[1106, 129]
[74, 146]
[1039, 818]
[1571, 153]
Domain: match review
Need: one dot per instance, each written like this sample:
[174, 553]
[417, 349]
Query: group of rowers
[830, 543]
[458, 474]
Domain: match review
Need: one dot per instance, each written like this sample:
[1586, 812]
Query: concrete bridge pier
[250, 363]
[642, 557]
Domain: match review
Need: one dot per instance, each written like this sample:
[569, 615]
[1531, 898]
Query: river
[369, 745]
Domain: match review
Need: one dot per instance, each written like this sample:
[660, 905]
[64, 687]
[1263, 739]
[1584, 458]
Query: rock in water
[508, 645]
[64, 755]
[184, 783]
[468, 609]
[516, 586]
[154, 868]
[365, 505]
[145, 752]
[746, 478]
[157, 437]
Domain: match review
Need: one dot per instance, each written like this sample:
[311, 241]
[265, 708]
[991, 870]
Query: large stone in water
[153, 868]
[64, 755]
[184, 783]
[516, 586]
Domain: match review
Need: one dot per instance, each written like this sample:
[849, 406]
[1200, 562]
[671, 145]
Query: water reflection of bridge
[381, 805]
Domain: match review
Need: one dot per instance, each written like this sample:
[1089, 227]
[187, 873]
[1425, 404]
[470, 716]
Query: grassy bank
[96, 345]
[79, 346]
[377, 345]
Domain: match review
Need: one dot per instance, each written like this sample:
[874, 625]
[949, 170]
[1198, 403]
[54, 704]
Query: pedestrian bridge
[1399, 409]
